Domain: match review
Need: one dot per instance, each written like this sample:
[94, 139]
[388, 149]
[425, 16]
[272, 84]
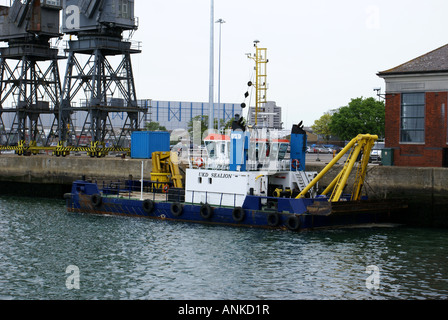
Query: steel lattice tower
[91, 78]
[29, 75]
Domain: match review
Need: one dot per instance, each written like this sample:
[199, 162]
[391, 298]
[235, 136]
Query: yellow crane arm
[362, 143]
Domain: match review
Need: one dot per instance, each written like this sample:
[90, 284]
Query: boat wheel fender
[206, 211]
[96, 200]
[176, 209]
[273, 219]
[148, 206]
[293, 223]
[238, 214]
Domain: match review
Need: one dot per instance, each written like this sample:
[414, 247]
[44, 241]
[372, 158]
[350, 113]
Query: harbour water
[49, 254]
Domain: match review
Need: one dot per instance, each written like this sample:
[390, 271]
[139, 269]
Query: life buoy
[206, 211]
[166, 188]
[295, 164]
[273, 219]
[148, 206]
[293, 223]
[238, 214]
[96, 200]
[176, 209]
[199, 162]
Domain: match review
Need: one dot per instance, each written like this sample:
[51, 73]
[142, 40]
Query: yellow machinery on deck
[360, 147]
[165, 168]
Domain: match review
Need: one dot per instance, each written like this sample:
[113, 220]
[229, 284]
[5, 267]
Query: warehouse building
[176, 114]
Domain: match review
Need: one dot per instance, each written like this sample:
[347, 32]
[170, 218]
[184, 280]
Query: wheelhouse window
[412, 129]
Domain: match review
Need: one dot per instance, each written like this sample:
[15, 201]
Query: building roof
[435, 61]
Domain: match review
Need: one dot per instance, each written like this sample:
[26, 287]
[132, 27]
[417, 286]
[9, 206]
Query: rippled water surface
[131, 258]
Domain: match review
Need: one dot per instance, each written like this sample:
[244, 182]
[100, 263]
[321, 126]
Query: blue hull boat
[258, 187]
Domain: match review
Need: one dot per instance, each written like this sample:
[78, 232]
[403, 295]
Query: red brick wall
[429, 154]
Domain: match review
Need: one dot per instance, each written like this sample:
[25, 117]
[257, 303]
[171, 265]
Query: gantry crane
[29, 75]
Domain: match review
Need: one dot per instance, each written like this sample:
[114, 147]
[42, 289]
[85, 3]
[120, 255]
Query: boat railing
[132, 189]
[207, 198]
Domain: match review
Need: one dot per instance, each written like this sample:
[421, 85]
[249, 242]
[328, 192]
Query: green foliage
[154, 126]
[322, 126]
[204, 124]
[365, 116]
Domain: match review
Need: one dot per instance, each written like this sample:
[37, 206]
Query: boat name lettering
[215, 175]
[222, 175]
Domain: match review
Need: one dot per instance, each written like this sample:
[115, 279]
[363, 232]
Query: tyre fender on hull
[238, 214]
[96, 200]
[293, 223]
[273, 219]
[148, 206]
[206, 211]
[176, 209]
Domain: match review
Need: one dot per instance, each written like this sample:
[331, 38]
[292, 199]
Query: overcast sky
[322, 53]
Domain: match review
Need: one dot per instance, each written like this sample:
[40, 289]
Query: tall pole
[220, 21]
[212, 74]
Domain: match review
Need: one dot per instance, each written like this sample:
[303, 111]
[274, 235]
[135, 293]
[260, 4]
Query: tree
[366, 116]
[204, 124]
[322, 126]
[154, 126]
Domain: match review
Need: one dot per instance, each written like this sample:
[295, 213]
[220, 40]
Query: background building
[170, 114]
[416, 110]
[270, 116]
[176, 114]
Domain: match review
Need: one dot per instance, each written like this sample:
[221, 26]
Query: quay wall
[49, 176]
[425, 189]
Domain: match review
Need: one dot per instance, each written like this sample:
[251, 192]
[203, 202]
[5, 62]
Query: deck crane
[359, 148]
[165, 168]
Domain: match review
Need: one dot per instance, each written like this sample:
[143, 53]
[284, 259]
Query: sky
[321, 53]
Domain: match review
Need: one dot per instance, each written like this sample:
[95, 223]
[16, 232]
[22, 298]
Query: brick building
[416, 110]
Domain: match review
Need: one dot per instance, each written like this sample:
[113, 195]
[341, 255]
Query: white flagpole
[211, 115]
[141, 191]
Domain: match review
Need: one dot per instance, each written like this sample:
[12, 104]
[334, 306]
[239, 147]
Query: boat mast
[261, 86]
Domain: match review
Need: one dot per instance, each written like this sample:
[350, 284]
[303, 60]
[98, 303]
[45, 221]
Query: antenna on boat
[261, 85]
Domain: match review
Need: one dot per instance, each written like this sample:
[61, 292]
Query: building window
[412, 118]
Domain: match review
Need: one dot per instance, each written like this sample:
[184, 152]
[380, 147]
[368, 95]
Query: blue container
[144, 143]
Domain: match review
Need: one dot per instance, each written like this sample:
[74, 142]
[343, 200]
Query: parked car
[315, 148]
[376, 153]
